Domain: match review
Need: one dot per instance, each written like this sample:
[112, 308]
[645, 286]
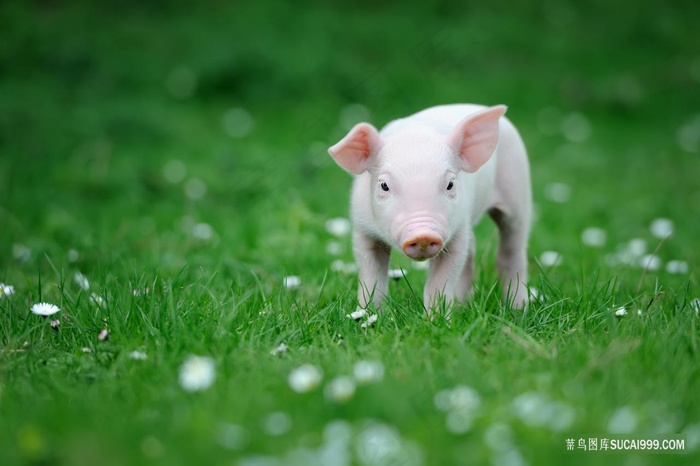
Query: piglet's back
[442, 119]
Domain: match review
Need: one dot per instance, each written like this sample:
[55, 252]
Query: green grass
[94, 108]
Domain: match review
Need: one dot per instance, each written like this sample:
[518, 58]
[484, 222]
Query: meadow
[164, 181]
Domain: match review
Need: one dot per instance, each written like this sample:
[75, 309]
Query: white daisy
[420, 265]
[459, 422]
[6, 290]
[138, 355]
[338, 226]
[463, 397]
[366, 372]
[278, 423]
[677, 267]
[461, 405]
[661, 228]
[534, 294]
[334, 248]
[558, 192]
[202, 231]
[358, 314]
[396, 274]
[576, 127]
[45, 309]
[195, 189]
[197, 373]
[280, 349]
[340, 389]
[538, 409]
[21, 253]
[620, 311]
[695, 305]
[623, 421]
[340, 265]
[232, 436]
[594, 237]
[381, 444]
[174, 171]
[637, 247]
[650, 262]
[73, 255]
[81, 280]
[139, 292]
[305, 378]
[550, 259]
[97, 300]
[291, 282]
[499, 436]
[237, 122]
[103, 335]
[371, 320]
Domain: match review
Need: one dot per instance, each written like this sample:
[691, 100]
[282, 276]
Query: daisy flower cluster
[195, 189]
[461, 407]
[537, 409]
[367, 442]
[364, 317]
[340, 389]
[634, 253]
[652, 415]
[339, 228]
[462, 404]
[50, 311]
[84, 284]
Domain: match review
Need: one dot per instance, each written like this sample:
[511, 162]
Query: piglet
[420, 186]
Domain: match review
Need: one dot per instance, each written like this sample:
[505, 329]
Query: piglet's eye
[384, 186]
[450, 185]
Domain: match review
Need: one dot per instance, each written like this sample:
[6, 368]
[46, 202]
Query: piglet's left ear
[475, 138]
[354, 150]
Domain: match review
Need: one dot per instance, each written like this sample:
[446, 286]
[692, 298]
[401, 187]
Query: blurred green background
[181, 146]
[97, 97]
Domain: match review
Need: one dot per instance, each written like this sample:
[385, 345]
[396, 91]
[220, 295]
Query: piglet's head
[415, 195]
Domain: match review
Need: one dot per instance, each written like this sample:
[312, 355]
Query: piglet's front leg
[372, 258]
[445, 271]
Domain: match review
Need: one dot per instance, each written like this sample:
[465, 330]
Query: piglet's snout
[422, 245]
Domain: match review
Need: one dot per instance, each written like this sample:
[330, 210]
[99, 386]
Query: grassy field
[163, 174]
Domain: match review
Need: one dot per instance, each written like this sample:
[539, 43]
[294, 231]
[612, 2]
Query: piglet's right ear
[354, 150]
